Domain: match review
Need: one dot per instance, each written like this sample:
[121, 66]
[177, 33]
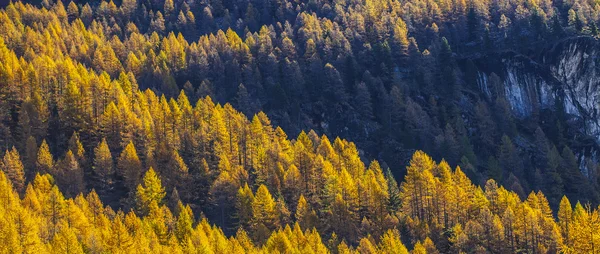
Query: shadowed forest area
[208, 127]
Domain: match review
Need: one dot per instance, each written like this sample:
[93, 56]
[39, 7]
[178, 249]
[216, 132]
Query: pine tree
[30, 157]
[362, 101]
[333, 86]
[557, 29]
[509, 158]
[574, 181]
[552, 179]
[243, 101]
[473, 25]
[394, 200]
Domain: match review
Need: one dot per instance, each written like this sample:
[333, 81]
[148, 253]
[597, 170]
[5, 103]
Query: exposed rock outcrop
[564, 77]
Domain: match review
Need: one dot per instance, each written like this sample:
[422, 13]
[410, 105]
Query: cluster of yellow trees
[44, 221]
[439, 201]
[73, 119]
[436, 202]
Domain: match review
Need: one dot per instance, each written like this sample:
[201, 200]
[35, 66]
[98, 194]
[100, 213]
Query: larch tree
[149, 191]
[177, 174]
[400, 41]
[565, 219]
[13, 168]
[129, 166]
[70, 175]
[66, 241]
[120, 240]
[264, 215]
[243, 205]
[44, 162]
[76, 147]
[305, 217]
[412, 189]
[103, 168]
[30, 157]
[184, 224]
[390, 243]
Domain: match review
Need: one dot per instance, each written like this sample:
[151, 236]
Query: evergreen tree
[363, 101]
[508, 157]
[30, 157]
[473, 25]
[553, 181]
[394, 192]
[334, 86]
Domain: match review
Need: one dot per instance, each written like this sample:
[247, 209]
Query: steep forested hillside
[393, 76]
[117, 129]
[330, 206]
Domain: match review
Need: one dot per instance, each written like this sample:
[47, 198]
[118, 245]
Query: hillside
[120, 129]
[477, 83]
[436, 209]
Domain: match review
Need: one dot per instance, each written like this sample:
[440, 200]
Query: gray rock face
[568, 73]
[576, 67]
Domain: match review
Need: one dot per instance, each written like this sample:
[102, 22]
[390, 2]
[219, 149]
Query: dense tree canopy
[441, 211]
[116, 134]
[391, 75]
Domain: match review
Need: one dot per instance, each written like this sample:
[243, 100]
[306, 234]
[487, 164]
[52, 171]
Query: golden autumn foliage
[144, 171]
[43, 221]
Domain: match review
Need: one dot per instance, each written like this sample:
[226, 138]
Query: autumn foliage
[103, 153]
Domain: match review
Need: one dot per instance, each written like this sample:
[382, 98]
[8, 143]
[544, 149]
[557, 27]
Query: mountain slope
[124, 107]
[411, 83]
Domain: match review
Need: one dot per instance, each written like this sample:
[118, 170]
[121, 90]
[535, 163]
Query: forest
[208, 127]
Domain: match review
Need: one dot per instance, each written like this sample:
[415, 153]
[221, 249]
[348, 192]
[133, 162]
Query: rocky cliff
[564, 77]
